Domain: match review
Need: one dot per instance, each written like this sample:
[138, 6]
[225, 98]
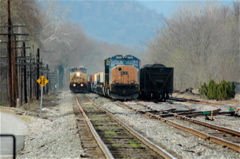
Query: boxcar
[156, 82]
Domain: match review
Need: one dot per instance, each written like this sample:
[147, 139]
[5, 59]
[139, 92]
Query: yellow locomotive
[121, 78]
[78, 79]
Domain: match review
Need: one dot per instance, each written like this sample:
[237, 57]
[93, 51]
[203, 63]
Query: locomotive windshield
[122, 60]
[130, 62]
[81, 69]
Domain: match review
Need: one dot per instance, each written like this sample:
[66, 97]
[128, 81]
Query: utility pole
[38, 71]
[11, 60]
[30, 79]
[25, 74]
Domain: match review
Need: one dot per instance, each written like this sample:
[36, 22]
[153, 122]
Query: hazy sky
[168, 7]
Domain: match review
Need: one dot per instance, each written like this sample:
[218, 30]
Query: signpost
[42, 81]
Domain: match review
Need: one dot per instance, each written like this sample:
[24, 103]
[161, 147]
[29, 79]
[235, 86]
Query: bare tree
[23, 13]
[200, 44]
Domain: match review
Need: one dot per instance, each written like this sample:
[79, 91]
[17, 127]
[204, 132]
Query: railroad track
[220, 135]
[232, 110]
[118, 138]
[90, 142]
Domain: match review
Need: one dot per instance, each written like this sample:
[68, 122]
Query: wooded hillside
[201, 44]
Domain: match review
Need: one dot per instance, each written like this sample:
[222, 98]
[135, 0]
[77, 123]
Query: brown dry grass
[33, 106]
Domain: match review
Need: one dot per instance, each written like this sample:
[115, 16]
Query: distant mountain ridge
[122, 22]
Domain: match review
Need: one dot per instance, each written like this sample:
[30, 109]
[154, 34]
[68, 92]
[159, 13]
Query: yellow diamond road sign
[42, 81]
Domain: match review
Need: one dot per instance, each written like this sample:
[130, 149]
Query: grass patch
[110, 133]
[27, 119]
[134, 144]
[110, 140]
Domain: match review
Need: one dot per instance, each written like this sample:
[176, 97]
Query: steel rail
[200, 134]
[101, 144]
[230, 131]
[150, 144]
[190, 111]
[192, 131]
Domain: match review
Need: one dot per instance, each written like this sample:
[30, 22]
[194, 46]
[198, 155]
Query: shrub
[204, 89]
[222, 91]
[212, 86]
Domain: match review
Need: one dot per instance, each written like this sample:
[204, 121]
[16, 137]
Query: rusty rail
[193, 131]
[101, 144]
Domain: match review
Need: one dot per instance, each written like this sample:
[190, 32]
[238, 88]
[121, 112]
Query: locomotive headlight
[74, 85]
[78, 74]
[81, 85]
[116, 82]
[132, 82]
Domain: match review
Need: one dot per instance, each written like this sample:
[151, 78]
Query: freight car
[156, 82]
[78, 82]
[120, 80]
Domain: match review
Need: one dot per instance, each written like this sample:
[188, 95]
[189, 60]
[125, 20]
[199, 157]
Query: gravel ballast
[56, 135]
[184, 145]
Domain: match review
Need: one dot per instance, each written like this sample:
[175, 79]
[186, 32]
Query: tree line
[38, 25]
[62, 42]
[201, 44]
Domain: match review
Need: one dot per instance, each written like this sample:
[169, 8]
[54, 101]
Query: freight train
[78, 82]
[123, 79]
[156, 82]
[120, 80]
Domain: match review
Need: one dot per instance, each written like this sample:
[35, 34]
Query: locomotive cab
[78, 79]
[122, 77]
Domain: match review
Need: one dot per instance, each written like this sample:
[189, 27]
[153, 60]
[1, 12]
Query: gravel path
[56, 136]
